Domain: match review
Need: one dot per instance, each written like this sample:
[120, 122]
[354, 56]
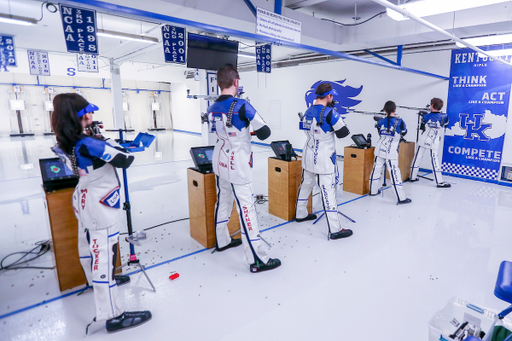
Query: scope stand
[127, 207]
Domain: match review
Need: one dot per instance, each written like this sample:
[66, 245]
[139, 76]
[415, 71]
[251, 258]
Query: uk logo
[476, 128]
[344, 99]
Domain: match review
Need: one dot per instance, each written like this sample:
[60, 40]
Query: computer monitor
[56, 175]
[282, 153]
[360, 141]
[202, 157]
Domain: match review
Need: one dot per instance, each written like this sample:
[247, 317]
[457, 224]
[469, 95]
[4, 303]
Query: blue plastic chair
[503, 289]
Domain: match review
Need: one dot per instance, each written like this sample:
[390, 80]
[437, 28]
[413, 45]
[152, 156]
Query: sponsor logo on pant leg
[222, 164]
[326, 197]
[96, 255]
[247, 219]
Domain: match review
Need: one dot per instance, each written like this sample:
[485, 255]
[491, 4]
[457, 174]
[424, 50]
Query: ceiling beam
[296, 4]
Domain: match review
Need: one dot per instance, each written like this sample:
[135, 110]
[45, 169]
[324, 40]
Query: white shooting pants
[327, 184]
[436, 165]
[243, 194]
[395, 175]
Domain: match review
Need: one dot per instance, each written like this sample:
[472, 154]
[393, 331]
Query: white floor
[384, 283]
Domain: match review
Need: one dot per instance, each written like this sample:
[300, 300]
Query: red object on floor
[174, 276]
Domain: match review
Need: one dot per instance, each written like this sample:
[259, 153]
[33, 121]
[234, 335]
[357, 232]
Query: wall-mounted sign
[478, 101]
[276, 26]
[7, 53]
[87, 62]
[264, 58]
[174, 44]
[79, 29]
[39, 63]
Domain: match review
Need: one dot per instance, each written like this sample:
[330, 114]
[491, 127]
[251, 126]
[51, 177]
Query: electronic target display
[56, 174]
[57, 170]
[202, 157]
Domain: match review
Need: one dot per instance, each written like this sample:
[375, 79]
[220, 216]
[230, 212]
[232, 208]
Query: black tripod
[127, 207]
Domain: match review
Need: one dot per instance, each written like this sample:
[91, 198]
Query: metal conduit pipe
[438, 29]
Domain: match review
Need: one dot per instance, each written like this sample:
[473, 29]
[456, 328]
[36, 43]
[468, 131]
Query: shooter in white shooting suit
[432, 127]
[97, 204]
[231, 118]
[391, 129]
[321, 123]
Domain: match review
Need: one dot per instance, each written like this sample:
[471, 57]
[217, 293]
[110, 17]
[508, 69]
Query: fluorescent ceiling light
[246, 55]
[14, 19]
[127, 36]
[424, 8]
[488, 40]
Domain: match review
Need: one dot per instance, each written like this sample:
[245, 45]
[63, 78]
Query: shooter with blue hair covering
[321, 123]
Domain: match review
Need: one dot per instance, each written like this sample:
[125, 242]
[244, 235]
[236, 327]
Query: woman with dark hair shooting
[96, 202]
[390, 129]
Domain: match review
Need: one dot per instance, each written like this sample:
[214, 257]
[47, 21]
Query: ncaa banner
[478, 99]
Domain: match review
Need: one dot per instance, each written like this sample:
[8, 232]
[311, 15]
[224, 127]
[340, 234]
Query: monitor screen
[202, 156]
[210, 53]
[54, 169]
[279, 147]
[360, 140]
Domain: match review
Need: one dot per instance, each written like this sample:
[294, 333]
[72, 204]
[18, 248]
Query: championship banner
[79, 29]
[264, 58]
[478, 99]
[38, 63]
[174, 44]
[7, 52]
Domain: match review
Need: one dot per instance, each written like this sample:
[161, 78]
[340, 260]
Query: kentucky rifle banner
[478, 99]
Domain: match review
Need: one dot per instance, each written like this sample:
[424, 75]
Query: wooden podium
[405, 157]
[64, 229]
[284, 178]
[202, 196]
[357, 168]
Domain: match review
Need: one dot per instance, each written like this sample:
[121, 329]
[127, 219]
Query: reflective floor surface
[383, 283]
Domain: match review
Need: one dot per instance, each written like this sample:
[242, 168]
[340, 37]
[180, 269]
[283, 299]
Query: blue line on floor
[41, 303]
[146, 268]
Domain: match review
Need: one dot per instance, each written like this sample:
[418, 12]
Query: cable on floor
[43, 246]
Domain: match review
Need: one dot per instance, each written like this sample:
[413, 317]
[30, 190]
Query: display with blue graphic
[79, 29]
[478, 99]
[7, 51]
[174, 44]
[264, 58]
[344, 99]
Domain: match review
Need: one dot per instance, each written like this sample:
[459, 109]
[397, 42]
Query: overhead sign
[264, 58]
[79, 29]
[478, 100]
[276, 26]
[174, 44]
[7, 52]
[87, 62]
[39, 63]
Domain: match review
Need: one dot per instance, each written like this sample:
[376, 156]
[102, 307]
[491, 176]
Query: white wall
[284, 90]
[134, 76]
[186, 112]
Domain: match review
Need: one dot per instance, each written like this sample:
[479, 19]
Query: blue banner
[264, 58]
[478, 99]
[174, 44]
[7, 52]
[79, 29]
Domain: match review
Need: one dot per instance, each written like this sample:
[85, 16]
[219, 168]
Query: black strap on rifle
[229, 122]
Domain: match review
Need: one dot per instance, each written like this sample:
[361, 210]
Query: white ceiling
[235, 15]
